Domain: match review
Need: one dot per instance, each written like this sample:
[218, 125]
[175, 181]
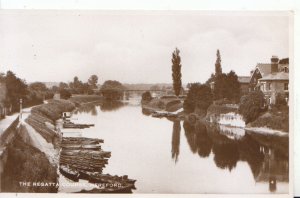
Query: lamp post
[21, 108]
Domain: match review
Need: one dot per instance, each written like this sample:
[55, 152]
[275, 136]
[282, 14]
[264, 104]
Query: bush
[251, 106]
[198, 97]
[280, 100]
[65, 94]
[146, 96]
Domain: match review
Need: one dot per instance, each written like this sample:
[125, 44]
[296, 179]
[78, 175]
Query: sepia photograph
[145, 102]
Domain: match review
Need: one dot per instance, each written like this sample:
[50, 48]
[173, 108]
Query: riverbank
[31, 146]
[271, 122]
[166, 106]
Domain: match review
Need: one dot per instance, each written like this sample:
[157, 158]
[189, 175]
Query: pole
[20, 108]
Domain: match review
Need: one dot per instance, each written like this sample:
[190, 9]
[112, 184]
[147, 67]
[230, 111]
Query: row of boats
[83, 158]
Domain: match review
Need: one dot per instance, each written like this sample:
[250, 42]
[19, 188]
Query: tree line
[17, 88]
[221, 88]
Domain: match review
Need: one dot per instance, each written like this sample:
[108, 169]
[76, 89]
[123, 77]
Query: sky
[137, 46]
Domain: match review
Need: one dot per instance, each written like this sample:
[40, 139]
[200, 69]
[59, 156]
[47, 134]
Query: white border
[237, 5]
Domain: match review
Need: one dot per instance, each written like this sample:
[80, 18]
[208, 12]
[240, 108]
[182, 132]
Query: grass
[48, 113]
[26, 164]
[273, 120]
[80, 99]
[169, 104]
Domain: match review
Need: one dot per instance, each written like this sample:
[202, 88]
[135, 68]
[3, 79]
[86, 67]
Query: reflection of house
[245, 84]
[272, 79]
[273, 169]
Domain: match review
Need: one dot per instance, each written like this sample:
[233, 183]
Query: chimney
[274, 64]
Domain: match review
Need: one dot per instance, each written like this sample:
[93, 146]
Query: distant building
[245, 84]
[272, 79]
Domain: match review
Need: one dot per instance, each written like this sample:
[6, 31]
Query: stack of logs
[83, 158]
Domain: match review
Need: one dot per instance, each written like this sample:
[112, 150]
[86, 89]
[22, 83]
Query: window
[286, 69]
[286, 86]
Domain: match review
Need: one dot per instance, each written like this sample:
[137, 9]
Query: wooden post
[20, 109]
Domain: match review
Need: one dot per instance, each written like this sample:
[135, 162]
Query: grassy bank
[81, 99]
[26, 164]
[170, 104]
[277, 119]
[43, 117]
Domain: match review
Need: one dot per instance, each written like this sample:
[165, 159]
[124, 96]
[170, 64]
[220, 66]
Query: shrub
[146, 96]
[251, 106]
[65, 94]
[198, 97]
[280, 100]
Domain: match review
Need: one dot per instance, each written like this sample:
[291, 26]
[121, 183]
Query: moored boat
[69, 173]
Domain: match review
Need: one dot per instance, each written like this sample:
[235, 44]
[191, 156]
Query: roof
[276, 76]
[244, 79]
[264, 68]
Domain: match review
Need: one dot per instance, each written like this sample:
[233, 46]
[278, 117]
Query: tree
[112, 90]
[38, 87]
[76, 86]
[16, 89]
[63, 85]
[198, 98]
[146, 97]
[38, 92]
[211, 79]
[93, 80]
[251, 106]
[227, 86]
[65, 94]
[176, 72]
[218, 68]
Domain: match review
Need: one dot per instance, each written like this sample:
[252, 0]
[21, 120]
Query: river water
[179, 157]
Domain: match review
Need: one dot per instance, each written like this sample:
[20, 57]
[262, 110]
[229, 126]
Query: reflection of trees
[226, 155]
[249, 150]
[111, 105]
[176, 140]
[146, 112]
[267, 156]
[197, 138]
[88, 108]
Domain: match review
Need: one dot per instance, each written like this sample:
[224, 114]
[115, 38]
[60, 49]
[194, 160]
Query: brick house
[272, 79]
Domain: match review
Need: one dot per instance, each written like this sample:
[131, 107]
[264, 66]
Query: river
[178, 157]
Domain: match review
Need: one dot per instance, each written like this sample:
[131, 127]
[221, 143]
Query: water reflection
[89, 108]
[266, 156]
[197, 138]
[111, 105]
[217, 154]
[176, 140]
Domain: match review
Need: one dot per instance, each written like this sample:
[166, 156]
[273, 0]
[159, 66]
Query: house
[245, 84]
[272, 79]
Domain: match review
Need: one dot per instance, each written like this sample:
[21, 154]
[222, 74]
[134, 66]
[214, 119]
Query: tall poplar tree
[218, 68]
[176, 72]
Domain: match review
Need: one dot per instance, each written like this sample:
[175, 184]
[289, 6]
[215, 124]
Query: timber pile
[71, 125]
[83, 158]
